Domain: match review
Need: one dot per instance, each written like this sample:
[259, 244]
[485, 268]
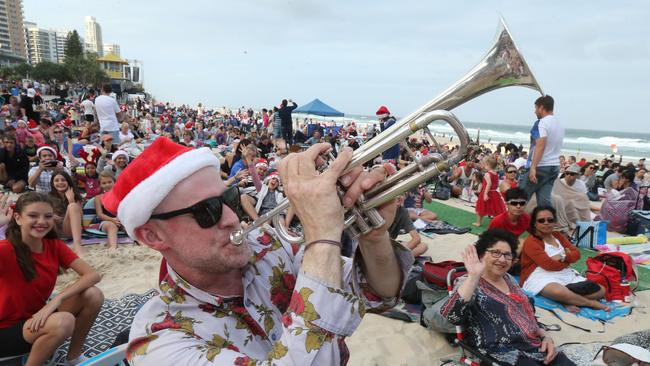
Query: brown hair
[14, 235]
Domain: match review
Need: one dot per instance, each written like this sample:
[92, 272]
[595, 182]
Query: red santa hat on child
[145, 183]
[262, 163]
[382, 112]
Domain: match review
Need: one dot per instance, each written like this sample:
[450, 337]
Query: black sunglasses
[517, 202]
[207, 213]
[512, 171]
[545, 220]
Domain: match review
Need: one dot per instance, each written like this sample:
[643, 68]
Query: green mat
[462, 218]
[457, 216]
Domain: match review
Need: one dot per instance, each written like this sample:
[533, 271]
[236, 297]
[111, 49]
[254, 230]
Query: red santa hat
[262, 163]
[273, 175]
[48, 148]
[145, 183]
[382, 112]
[90, 154]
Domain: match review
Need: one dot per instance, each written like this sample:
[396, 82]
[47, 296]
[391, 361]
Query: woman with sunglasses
[509, 181]
[545, 266]
[499, 320]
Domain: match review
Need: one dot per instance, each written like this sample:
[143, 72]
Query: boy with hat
[39, 177]
[385, 122]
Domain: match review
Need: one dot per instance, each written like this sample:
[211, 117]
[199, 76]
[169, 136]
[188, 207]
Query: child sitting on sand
[30, 259]
[90, 180]
[68, 211]
[490, 202]
[108, 222]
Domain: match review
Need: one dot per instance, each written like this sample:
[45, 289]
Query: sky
[593, 57]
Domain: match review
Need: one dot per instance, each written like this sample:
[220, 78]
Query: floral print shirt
[284, 318]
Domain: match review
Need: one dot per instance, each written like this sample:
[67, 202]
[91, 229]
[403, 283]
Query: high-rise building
[41, 44]
[113, 48]
[94, 36]
[12, 35]
[61, 39]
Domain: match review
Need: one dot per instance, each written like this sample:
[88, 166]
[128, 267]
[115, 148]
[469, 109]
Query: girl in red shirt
[29, 262]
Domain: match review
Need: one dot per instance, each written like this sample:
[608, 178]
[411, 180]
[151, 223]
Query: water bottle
[625, 291]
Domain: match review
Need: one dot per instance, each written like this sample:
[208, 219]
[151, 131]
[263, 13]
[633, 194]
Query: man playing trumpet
[265, 301]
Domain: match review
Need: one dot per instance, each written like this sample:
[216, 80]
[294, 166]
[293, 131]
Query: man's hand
[314, 196]
[356, 183]
[532, 175]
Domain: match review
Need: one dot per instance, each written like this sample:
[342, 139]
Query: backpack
[614, 271]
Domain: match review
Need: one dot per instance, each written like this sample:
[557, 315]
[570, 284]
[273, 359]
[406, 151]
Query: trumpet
[502, 66]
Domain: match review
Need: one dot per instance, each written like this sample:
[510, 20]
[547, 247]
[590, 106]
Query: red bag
[436, 273]
[614, 271]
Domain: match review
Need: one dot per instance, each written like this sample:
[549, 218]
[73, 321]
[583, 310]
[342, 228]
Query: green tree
[21, 71]
[73, 46]
[48, 71]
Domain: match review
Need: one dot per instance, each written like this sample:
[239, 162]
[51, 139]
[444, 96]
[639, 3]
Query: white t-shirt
[89, 106]
[107, 110]
[550, 128]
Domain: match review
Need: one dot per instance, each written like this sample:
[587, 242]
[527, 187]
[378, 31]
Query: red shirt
[21, 299]
[502, 221]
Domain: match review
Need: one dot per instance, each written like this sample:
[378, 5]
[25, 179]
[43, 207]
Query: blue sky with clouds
[593, 57]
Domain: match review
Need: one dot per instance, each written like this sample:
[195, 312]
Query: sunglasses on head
[207, 213]
[520, 203]
[545, 220]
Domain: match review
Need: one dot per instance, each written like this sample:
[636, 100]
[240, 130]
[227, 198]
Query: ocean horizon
[631, 146]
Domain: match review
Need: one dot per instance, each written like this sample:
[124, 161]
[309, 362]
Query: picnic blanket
[115, 316]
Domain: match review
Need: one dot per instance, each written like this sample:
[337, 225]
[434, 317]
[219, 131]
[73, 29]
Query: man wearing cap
[385, 122]
[39, 177]
[572, 194]
[264, 301]
[108, 113]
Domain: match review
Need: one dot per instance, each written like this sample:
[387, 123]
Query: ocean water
[631, 145]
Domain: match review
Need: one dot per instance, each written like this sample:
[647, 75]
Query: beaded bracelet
[324, 241]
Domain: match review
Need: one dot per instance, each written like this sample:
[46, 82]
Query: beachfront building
[113, 66]
[112, 48]
[94, 36]
[12, 36]
[44, 44]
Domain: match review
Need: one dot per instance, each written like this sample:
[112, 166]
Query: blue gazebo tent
[318, 108]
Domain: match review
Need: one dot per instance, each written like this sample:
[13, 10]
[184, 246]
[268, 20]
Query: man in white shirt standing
[109, 113]
[546, 138]
[88, 107]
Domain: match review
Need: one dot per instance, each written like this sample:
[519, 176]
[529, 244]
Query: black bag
[442, 190]
[638, 223]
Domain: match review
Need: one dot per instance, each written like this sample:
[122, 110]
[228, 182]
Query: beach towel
[115, 316]
[596, 315]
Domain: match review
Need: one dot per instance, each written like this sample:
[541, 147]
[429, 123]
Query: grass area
[462, 218]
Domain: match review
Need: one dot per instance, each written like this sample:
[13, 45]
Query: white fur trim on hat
[50, 148]
[136, 207]
[120, 153]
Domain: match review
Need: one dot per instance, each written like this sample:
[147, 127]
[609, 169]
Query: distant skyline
[592, 57]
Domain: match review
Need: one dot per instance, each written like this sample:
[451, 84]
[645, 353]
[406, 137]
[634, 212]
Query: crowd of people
[142, 163]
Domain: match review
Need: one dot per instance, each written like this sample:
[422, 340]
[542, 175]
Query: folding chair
[465, 348]
[115, 356]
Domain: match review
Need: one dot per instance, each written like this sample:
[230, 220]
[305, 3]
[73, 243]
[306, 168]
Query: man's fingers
[363, 183]
[338, 165]
[351, 176]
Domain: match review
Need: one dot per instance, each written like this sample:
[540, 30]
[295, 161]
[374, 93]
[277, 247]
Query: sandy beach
[379, 340]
